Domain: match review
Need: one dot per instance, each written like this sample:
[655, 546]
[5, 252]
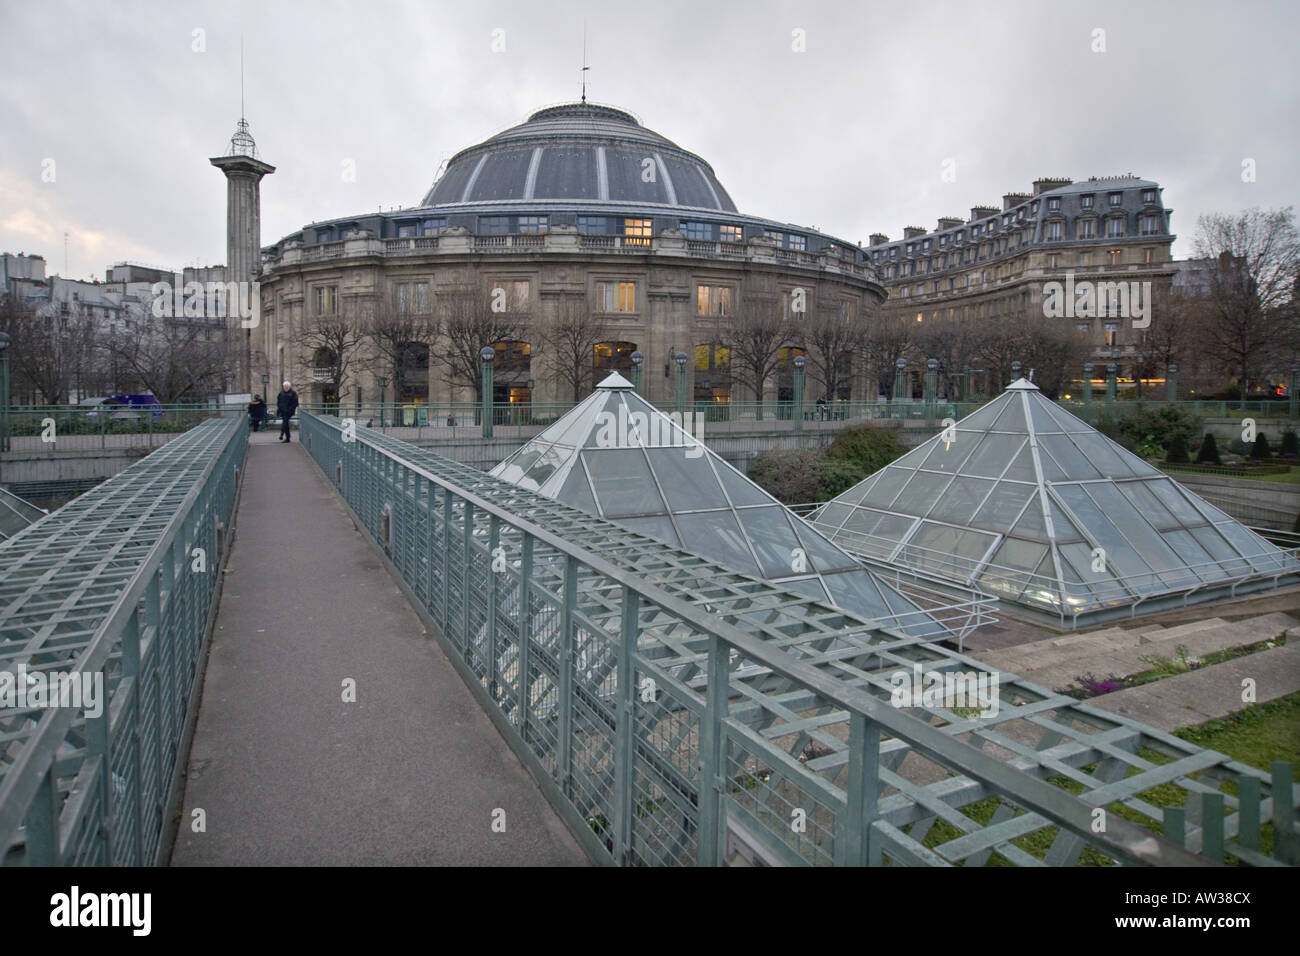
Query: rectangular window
[420, 299]
[1112, 334]
[532, 225]
[593, 225]
[1087, 228]
[1116, 199]
[519, 296]
[697, 230]
[616, 296]
[1148, 195]
[324, 235]
[1085, 258]
[1150, 225]
[1054, 230]
[1116, 256]
[406, 230]
[403, 297]
[798, 243]
[1054, 204]
[712, 300]
[731, 233]
[1148, 255]
[493, 225]
[1085, 202]
[636, 232]
[1115, 226]
[434, 227]
[327, 299]
[1053, 260]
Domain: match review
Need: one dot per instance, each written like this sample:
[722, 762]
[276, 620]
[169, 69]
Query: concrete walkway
[285, 771]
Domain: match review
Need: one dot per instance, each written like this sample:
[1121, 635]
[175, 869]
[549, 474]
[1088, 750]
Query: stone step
[1207, 694]
[1058, 650]
[1127, 661]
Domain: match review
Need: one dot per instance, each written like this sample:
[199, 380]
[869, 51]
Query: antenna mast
[585, 68]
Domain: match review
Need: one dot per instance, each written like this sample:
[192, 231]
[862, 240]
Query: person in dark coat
[256, 412]
[286, 403]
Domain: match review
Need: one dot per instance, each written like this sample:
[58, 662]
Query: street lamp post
[1171, 382]
[4, 390]
[266, 380]
[931, 388]
[900, 380]
[382, 382]
[1112, 371]
[680, 359]
[1293, 394]
[486, 355]
[1088, 369]
[637, 359]
[799, 362]
[1137, 373]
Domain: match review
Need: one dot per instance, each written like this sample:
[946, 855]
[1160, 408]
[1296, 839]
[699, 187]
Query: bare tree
[1250, 316]
[329, 344]
[832, 338]
[469, 319]
[762, 327]
[50, 349]
[176, 359]
[396, 332]
[885, 341]
[568, 336]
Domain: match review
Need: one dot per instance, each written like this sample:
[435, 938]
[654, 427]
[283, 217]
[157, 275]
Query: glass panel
[982, 418]
[514, 467]
[1105, 456]
[1072, 461]
[550, 461]
[951, 551]
[960, 499]
[1040, 416]
[855, 592]
[622, 482]
[1031, 524]
[883, 492]
[808, 587]
[1063, 528]
[1022, 469]
[659, 527]
[821, 553]
[688, 484]
[1148, 505]
[773, 539]
[1176, 501]
[1141, 536]
[1003, 507]
[830, 516]
[948, 456]
[1065, 419]
[716, 535]
[993, 455]
[921, 493]
[1218, 548]
[1012, 418]
[1052, 471]
[740, 489]
[1190, 551]
[577, 492]
[1121, 559]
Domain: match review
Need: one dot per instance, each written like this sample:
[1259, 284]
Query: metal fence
[675, 712]
[118, 587]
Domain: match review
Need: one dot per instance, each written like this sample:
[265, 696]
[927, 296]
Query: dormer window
[1116, 199]
[1054, 204]
[1085, 202]
[1148, 196]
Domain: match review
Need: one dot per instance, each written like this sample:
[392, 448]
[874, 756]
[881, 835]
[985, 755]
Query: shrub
[1290, 444]
[868, 447]
[1176, 452]
[792, 477]
[1260, 450]
[1209, 453]
[1238, 447]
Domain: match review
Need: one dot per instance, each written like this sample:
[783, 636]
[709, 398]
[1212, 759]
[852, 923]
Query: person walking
[256, 412]
[286, 403]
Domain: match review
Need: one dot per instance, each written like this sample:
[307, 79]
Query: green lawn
[1292, 477]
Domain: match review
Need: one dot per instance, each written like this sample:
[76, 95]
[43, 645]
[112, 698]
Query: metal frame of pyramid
[1028, 503]
[618, 457]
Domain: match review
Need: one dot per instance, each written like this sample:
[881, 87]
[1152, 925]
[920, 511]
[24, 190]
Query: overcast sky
[850, 135]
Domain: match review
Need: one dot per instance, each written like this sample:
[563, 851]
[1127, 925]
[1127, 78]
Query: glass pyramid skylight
[1028, 503]
[617, 456]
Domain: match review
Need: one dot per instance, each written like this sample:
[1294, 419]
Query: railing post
[467, 553]
[446, 564]
[799, 362]
[625, 725]
[525, 634]
[853, 842]
[41, 823]
[494, 597]
[711, 835]
[487, 354]
[564, 744]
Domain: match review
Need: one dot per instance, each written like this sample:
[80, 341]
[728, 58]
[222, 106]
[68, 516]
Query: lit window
[712, 300]
[636, 232]
[798, 243]
[616, 296]
[1112, 334]
[731, 233]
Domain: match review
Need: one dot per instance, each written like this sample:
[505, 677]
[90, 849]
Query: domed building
[567, 244]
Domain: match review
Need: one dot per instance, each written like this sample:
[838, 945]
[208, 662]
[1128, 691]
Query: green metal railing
[675, 712]
[118, 586]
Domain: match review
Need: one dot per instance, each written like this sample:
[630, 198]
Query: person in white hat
[286, 403]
